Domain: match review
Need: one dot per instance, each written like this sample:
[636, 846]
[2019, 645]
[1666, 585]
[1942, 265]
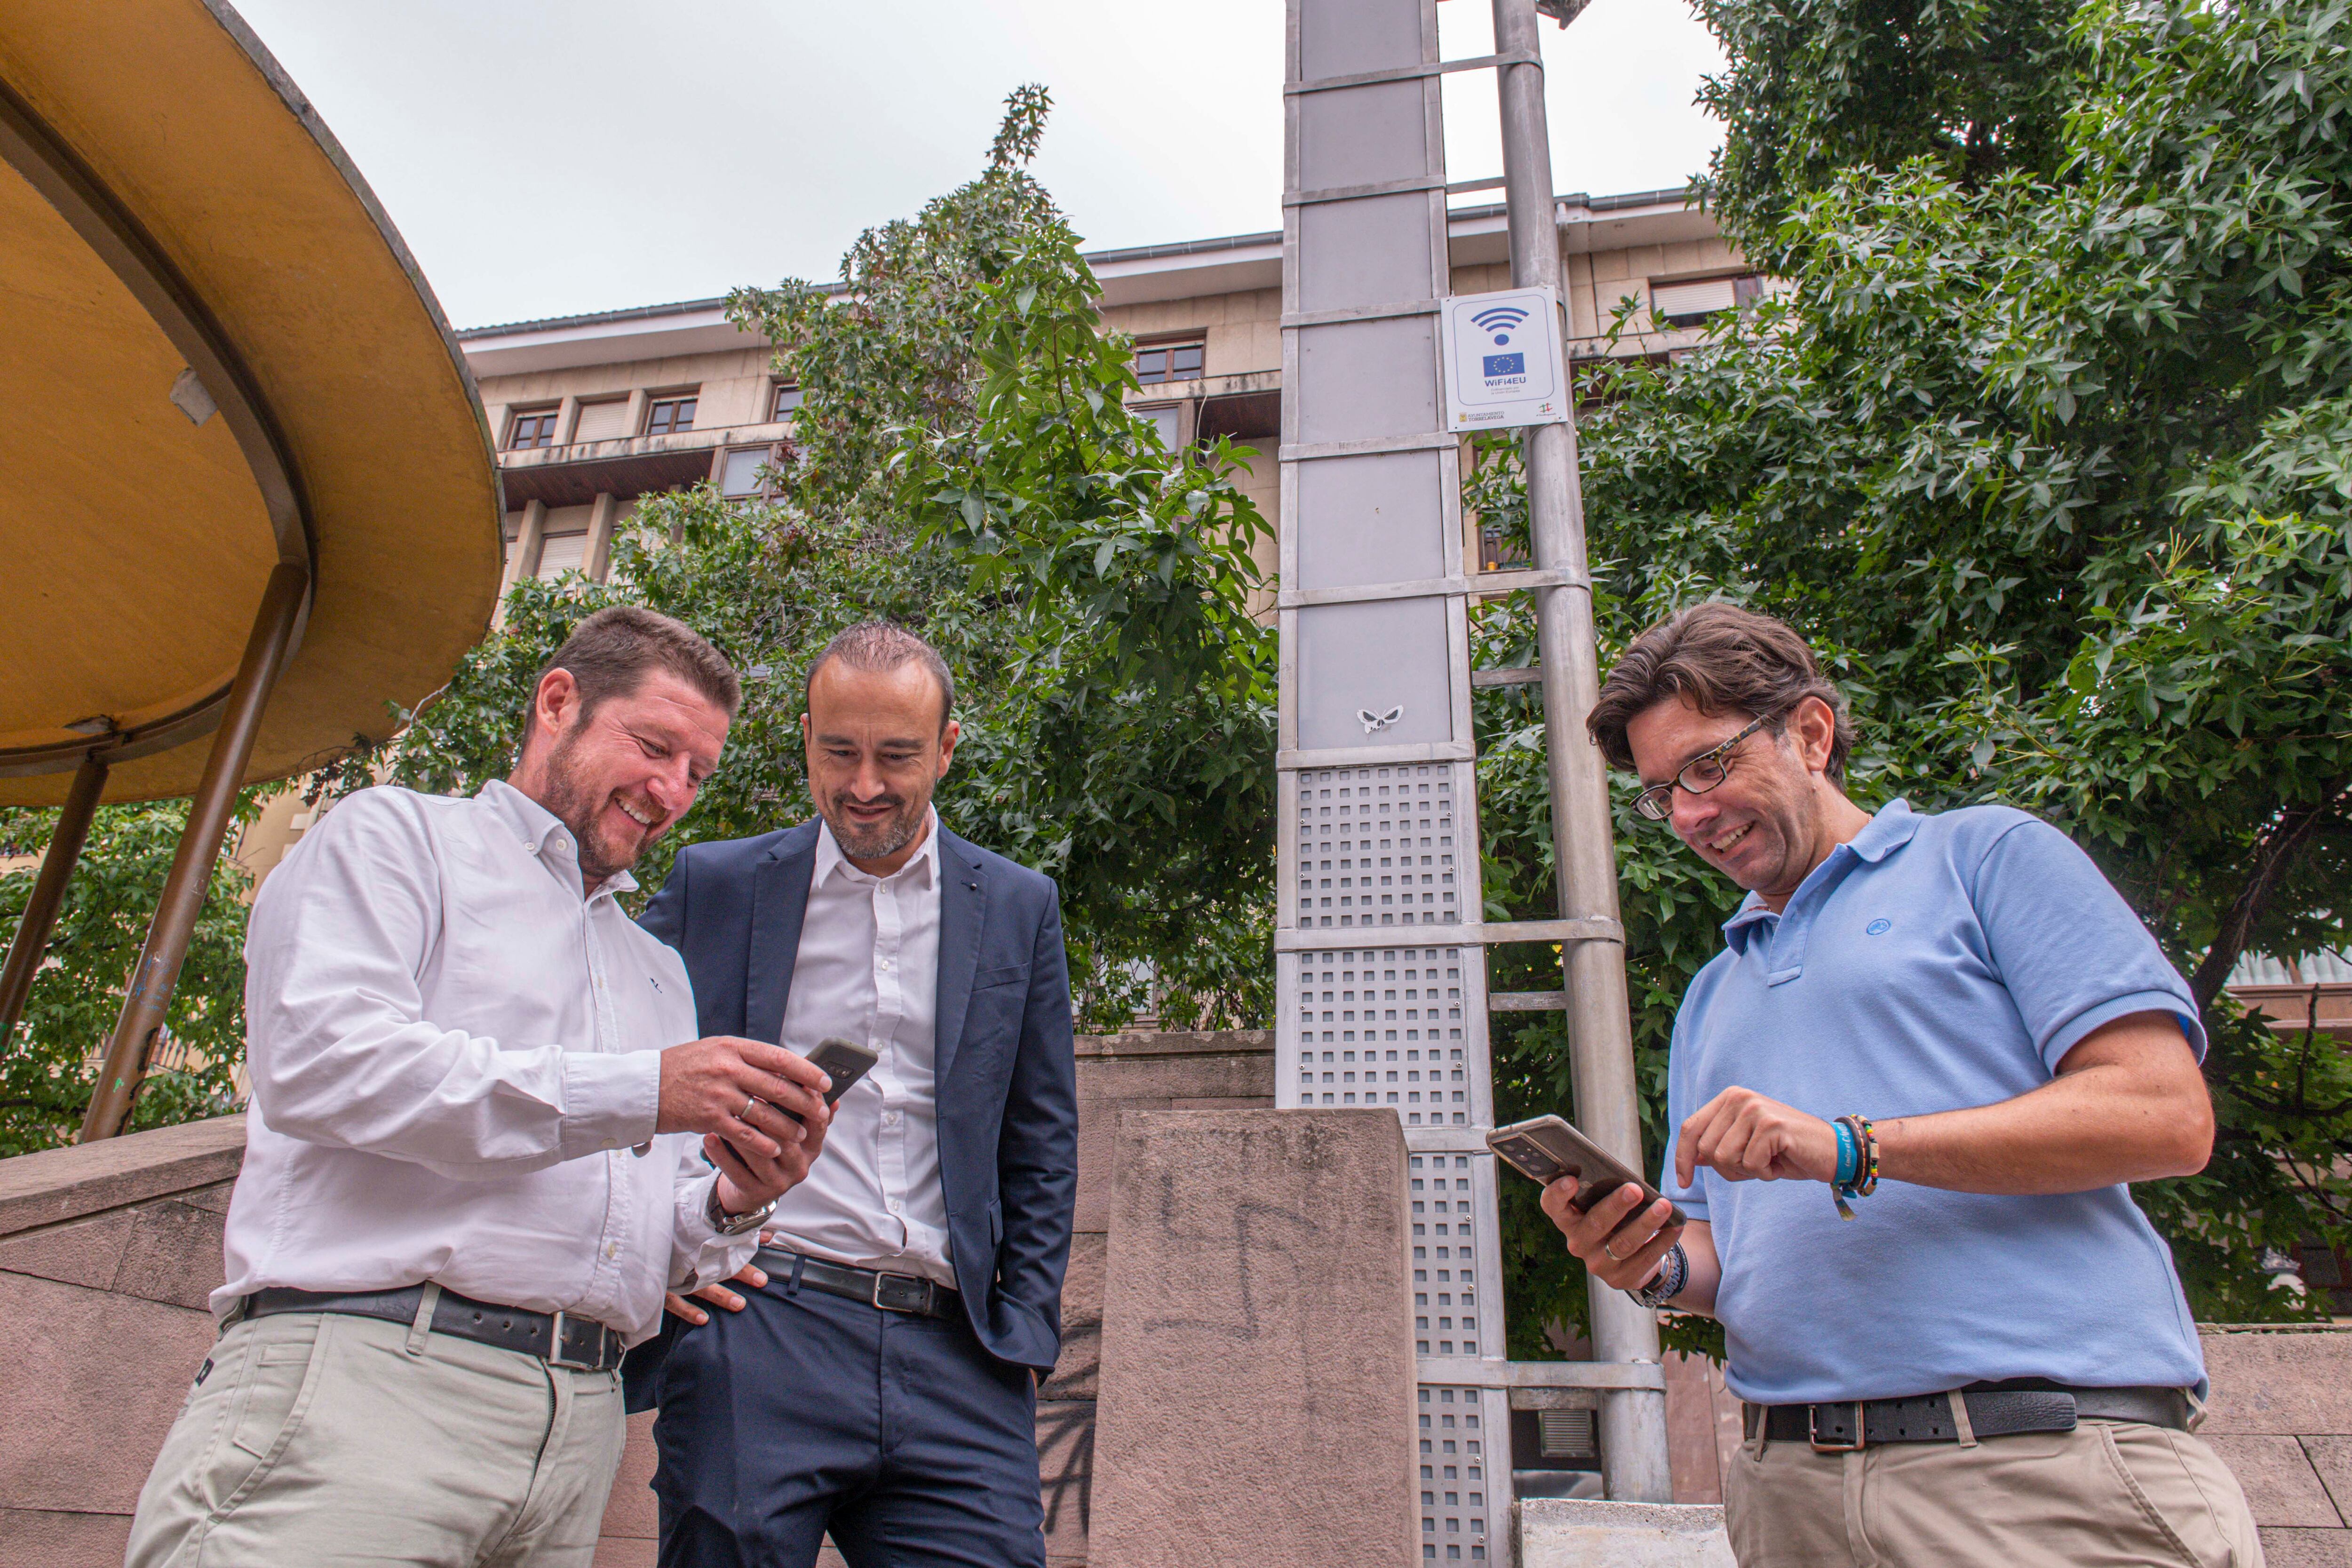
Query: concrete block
[1257, 1372]
[82, 1252]
[1560, 1533]
[630, 1512]
[2277, 1478]
[1065, 1473]
[174, 1256]
[35, 1538]
[57, 1184]
[1074, 1376]
[2332, 1459]
[94, 1382]
[2292, 1383]
[2307, 1548]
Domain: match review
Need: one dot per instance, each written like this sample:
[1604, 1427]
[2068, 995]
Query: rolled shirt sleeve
[701, 1254]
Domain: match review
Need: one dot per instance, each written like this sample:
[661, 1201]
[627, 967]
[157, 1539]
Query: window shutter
[563, 552]
[1704, 298]
[603, 421]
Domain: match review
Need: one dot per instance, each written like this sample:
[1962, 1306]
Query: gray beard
[879, 845]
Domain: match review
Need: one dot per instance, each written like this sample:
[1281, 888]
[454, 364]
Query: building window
[1163, 420]
[787, 399]
[1156, 362]
[535, 427]
[739, 476]
[1692, 303]
[668, 416]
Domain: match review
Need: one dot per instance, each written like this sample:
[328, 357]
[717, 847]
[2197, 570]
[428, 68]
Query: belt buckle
[555, 1356]
[1814, 1431]
[916, 1297]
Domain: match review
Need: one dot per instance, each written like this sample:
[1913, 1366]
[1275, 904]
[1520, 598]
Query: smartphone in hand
[1547, 1149]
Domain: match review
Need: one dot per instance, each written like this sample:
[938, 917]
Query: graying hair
[877, 647]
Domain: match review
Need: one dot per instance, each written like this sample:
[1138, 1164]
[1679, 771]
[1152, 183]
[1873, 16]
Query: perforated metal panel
[1380, 982]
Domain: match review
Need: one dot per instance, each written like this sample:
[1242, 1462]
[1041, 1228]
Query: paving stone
[1258, 1372]
[2277, 1478]
[2332, 1458]
[79, 1252]
[2307, 1548]
[39, 1538]
[94, 1382]
[2288, 1384]
[1561, 1533]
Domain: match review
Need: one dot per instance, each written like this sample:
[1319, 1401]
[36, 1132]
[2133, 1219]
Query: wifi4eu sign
[1504, 361]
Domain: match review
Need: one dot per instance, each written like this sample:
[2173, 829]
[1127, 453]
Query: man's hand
[1622, 1260]
[718, 1295]
[1744, 1137]
[740, 1091]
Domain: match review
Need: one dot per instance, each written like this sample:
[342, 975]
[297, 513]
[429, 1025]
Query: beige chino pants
[323, 1440]
[2107, 1495]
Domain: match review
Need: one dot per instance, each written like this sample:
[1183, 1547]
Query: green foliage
[2050, 460]
[50, 1064]
[963, 464]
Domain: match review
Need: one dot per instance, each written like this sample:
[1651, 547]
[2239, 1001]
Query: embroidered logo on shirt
[655, 984]
[1878, 928]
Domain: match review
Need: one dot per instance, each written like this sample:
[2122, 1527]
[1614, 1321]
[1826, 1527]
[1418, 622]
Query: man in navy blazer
[879, 1381]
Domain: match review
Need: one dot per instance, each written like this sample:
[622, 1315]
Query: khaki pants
[2107, 1494]
[319, 1439]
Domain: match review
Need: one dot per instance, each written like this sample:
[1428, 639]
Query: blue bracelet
[1849, 1163]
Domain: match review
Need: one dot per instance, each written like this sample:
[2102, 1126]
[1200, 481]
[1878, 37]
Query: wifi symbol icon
[1500, 320]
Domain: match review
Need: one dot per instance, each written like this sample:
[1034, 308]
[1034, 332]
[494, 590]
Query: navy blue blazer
[1008, 1112]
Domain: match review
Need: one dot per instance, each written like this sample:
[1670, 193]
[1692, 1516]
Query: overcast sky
[547, 157]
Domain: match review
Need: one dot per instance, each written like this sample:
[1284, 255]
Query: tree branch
[2274, 855]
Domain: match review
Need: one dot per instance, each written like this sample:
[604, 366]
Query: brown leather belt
[1995, 1410]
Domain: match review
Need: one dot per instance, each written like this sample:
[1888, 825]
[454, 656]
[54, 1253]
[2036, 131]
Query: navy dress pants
[807, 1412]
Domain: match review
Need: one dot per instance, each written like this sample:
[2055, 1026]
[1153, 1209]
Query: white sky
[547, 157]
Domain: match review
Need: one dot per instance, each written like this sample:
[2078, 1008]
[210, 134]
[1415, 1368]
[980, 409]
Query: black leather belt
[1995, 1410]
[555, 1338]
[892, 1292]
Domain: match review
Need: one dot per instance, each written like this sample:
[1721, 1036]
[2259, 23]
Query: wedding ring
[1613, 1256]
[745, 1114]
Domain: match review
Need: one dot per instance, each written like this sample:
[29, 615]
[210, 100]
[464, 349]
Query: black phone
[1547, 1149]
[843, 1061]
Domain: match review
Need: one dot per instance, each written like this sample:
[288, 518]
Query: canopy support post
[24, 954]
[158, 971]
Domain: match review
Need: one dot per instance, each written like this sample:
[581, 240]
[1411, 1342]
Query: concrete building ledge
[1177, 1043]
[1560, 1533]
[59, 1185]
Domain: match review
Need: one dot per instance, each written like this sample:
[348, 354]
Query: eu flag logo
[1506, 365]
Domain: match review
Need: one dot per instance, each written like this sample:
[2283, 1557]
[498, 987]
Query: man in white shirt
[880, 1382]
[469, 1172]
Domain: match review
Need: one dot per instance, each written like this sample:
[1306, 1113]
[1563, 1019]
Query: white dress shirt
[869, 970]
[454, 1059]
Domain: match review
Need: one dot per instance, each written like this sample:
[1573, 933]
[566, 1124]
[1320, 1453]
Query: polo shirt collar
[922, 867]
[1890, 829]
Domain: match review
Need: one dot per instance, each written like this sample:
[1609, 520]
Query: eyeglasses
[1698, 776]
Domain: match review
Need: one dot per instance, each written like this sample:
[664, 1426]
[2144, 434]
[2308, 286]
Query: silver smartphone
[1547, 1149]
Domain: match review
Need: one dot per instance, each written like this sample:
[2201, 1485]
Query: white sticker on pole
[1504, 363]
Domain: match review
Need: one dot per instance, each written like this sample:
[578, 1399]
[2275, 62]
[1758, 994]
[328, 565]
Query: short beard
[880, 843]
[577, 808]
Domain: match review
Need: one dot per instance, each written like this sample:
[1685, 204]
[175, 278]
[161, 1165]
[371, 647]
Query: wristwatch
[1674, 1273]
[726, 1223]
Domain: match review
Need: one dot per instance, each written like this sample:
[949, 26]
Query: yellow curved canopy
[215, 354]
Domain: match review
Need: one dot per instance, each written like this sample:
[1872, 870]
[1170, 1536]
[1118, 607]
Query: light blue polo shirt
[1933, 963]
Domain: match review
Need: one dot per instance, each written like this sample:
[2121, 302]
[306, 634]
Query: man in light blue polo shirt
[1991, 1361]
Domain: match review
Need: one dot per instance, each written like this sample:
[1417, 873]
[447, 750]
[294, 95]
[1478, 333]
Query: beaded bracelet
[1860, 1179]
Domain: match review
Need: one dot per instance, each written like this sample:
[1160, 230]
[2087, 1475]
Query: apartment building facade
[593, 413]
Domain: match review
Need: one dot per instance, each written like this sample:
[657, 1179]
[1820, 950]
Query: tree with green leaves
[49, 1066]
[963, 463]
[2046, 443]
